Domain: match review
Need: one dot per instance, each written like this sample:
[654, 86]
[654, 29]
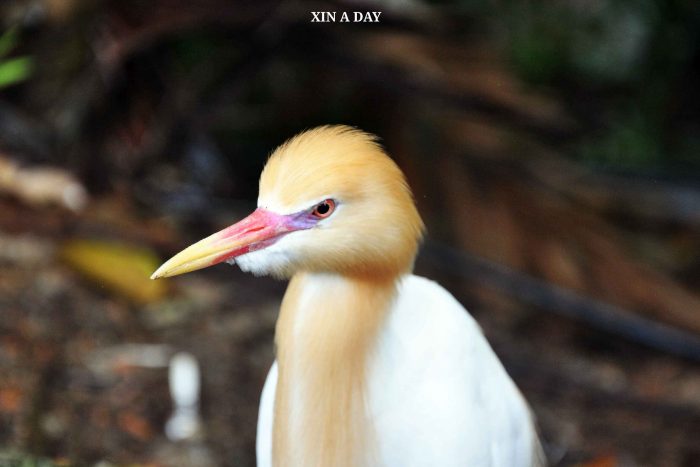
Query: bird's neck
[327, 330]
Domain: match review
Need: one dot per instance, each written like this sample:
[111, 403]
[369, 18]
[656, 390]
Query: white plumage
[437, 394]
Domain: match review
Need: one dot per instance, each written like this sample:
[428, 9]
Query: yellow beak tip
[159, 273]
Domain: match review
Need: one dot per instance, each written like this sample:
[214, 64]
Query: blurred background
[552, 146]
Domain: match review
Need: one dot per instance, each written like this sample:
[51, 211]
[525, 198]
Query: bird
[375, 366]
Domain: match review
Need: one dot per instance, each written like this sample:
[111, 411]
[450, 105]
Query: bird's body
[436, 394]
[375, 366]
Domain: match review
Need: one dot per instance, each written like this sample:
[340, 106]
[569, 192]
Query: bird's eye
[324, 209]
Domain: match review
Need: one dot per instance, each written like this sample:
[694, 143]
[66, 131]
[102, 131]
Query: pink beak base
[260, 229]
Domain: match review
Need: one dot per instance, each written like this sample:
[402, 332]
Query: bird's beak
[258, 230]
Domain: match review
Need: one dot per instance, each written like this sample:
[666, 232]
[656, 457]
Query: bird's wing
[263, 442]
[438, 394]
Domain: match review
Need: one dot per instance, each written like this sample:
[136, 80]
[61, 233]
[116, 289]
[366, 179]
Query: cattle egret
[375, 366]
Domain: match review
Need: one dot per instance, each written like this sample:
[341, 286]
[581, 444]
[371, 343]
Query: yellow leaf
[122, 269]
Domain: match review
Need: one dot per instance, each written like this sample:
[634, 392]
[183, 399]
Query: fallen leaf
[136, 426]
[122, 269]
[10, 400]
[605, 461]
[42, 185]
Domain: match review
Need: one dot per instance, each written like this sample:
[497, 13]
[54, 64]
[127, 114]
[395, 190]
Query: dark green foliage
[626, 67]
[13, 70]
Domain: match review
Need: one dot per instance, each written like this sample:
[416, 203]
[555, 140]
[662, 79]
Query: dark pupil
[323, 208]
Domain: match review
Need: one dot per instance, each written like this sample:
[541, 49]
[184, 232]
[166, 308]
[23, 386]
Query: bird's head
[330, 201]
